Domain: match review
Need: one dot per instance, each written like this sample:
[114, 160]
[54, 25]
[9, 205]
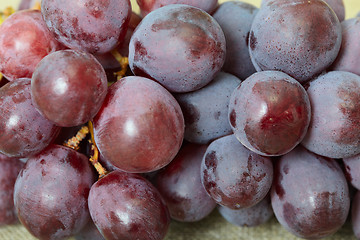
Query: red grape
[234, 176]
[68, 77]
[180, 46]
[95, 26]
[51, 193]
[24, 131]
[140, 126]
[270, 113]
[310, 195]
[299, 37]
[127, 206]
[24, 41]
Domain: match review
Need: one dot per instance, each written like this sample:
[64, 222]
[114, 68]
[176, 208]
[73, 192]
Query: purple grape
[180, 46]
[310, 195]
[334, 130]
[9, 170]
[355, 215]
[269, 113]
[24, 132]
[180, 185]
[234, 176]
[51, 193]
[235, 19]
[347, 59]
[127, 206]
[24, 41]
[147, 6]
[352, 170]
[68, 77]
[94, 26]
[140, 126]
[249, 217]
[206, 110]
[299, 37]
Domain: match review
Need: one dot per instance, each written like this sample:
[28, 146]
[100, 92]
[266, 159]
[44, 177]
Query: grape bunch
[114, 123]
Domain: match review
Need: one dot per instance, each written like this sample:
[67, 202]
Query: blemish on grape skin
[232, 118]
[253, 41]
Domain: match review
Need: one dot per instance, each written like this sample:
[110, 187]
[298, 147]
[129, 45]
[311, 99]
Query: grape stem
[124, 63]
[94, 159]
[74, 142]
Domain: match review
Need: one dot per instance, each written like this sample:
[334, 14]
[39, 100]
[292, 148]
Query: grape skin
[180, 46]
[334, 130]
[180, 185]
[94, 26]
[20, 53]
[270, 113]
[89, 232]
[235, 18]
[9, 170]
[24, 132]
[140, 126]
[248, 217]
[127, 206]
[347, 59]
[147, 6]
[299, 37]
[68, 77]
[206, 110]
[234, 176]
[51, 193]
[310, 195]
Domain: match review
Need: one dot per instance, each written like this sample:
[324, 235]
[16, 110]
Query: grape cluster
[112, 124]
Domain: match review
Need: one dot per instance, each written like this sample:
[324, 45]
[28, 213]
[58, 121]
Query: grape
[269, 113]
[336, 5]
[56, 83]
[205, 110]
[235, 19]
[24, 41]
[180, 185]
[89, 232]
[249, 217]
[347, 59]
[299, 37]
[24, 131]
[234, 176]
[127, 206]
[95, 26]
[352, 170]
[355, 215]
[334, 130]
[140, 126]
[310, 195]
[147, 6]
[51, 193]
[9, 169]
[180, 46]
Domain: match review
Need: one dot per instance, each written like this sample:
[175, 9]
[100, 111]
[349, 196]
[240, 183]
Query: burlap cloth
[213, 227]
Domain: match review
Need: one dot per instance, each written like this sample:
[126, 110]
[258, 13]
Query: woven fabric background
[213, 227]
